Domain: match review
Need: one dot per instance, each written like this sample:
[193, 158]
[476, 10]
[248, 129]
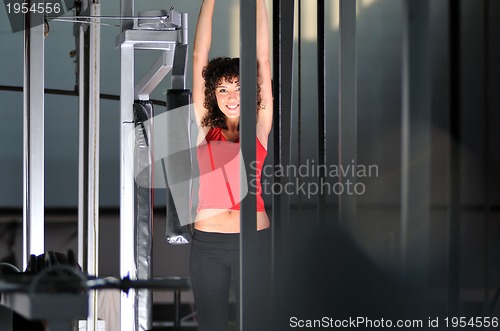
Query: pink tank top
[219, 165]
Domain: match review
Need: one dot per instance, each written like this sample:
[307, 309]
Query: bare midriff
[225, 220]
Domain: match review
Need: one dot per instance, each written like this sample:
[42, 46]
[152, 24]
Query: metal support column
[127, 265]
[88, 172]
[283, 97]
[487, 153]
[33, 134]
[283, 24]
[321, 122]
[127, 139]
[169, 31]
[455, 164]
[347, 109]
[415, 140]
[248, 79]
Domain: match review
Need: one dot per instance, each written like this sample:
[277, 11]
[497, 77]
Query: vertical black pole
[486, 147]
[283, 96]
[321, 108]
[248, 219]
[347, 110]
[415, 141]
[454, 189]
[298, 215]
[283, 13]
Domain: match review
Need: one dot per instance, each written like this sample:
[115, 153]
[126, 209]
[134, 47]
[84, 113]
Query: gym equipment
[168, 33]
[143, 205]
[55, 290]
[178, 168]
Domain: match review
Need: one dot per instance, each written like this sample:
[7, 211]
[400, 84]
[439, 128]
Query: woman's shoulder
[213, 133]
[209, 134]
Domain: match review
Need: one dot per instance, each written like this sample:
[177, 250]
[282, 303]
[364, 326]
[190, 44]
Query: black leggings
[214, 259]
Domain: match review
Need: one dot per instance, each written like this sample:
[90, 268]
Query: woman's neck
[231, 133]
[233, 125]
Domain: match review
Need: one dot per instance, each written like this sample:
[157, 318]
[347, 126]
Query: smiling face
[228, 97]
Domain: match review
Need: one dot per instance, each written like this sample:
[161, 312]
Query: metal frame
[283, 24]
[33, 134]
[128, 41]
[248, 218]
[88, 166]
[487, 145]
[347, 106]
[127, 264]
[154, 76]
[321, 120]
[454, 8]
[28, 295]
[415, 140]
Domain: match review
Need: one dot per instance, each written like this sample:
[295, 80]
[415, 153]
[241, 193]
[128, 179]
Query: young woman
[215, 245]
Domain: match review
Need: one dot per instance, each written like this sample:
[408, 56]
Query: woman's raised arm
[201, 50]
[265, 114]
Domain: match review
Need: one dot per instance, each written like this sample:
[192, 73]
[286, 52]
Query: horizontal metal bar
[74, 93]
[147, 37]
[110, 17]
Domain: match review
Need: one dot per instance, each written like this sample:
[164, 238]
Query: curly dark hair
[218, 70]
